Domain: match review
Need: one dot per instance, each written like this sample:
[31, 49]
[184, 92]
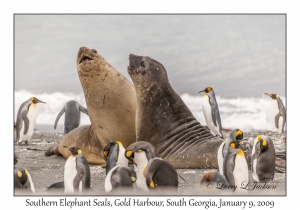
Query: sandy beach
[48, 170]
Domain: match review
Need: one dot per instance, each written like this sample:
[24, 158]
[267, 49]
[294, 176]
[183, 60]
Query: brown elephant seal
[163, 119]
[111, 104]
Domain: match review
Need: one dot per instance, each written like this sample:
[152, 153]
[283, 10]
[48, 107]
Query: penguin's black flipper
[78, 177]
[132, 174]
[58, 116]
[111, 152]
[84, 110]
[277, 119]
[26, 121]
[213, 111]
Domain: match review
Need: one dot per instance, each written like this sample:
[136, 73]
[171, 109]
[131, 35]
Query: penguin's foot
[26, 143]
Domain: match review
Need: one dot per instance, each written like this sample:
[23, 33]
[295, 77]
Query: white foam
[47, 113]
[235, 112]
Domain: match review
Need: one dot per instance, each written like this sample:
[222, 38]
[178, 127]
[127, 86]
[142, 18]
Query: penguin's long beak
[133, 161]
[201, 91]
[268, 94]
[66, 147]
[39, 101]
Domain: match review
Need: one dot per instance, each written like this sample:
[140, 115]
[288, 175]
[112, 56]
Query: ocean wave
[235, 112]
[47, 113]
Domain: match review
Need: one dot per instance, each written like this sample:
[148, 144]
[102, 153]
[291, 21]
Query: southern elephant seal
[163, 119]
[111, 104]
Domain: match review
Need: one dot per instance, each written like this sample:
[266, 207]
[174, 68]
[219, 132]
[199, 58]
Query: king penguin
[22, 180]
[235, 167]
[77, 176]
[211, 112]
[72, 111]
[118, 175]
[235, 136]
[263, 159]
[26, 120]
[153, 173]
[276, 114]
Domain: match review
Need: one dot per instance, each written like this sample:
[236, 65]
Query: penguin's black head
[74, 150]
[138, 147]
[108, 147]
[206, 90]
[273, 96]
[35, 100]
[112, 150]
[236, 135]
[263, 143]
[22, 175]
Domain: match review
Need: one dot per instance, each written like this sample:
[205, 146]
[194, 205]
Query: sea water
[240, 112]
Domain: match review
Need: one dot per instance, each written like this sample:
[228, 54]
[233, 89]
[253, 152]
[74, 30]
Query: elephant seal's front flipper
[82, 137]
[165, 121]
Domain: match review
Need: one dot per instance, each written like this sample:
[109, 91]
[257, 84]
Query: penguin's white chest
[69, 174]
[122, 160]
[32, 118]
[254, 162]
[107, 182]
[207, 110]
[220, 158]
[240, 171]
[141, 161]
[140, 179]
[271, 111]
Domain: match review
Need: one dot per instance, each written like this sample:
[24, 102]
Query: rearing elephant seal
[163, 119]
[111, 104]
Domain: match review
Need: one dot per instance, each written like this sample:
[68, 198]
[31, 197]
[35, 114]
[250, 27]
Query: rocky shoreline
[48, 170]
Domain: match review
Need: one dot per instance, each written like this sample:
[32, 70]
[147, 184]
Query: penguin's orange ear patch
[128, 153]
[152, 184]
[232, 145]
[133, 179]
[79, 151]
[32, 98]
[264, 143]
[238, 132]
[19, 174]
[105, 153]
[258, 138]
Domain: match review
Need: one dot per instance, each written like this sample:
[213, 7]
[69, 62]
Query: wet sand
[48, 170]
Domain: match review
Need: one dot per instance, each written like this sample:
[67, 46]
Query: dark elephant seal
[111, 104]
[163, 119]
